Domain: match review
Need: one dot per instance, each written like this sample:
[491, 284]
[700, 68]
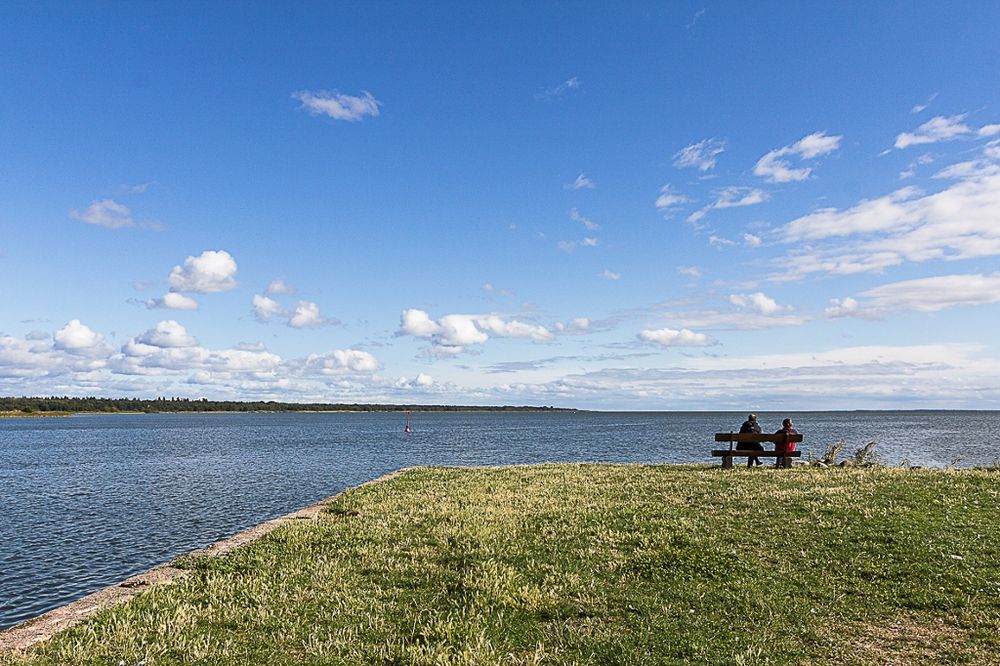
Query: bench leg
[727, 462]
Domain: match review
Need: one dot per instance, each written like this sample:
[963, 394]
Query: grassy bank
[592, 564]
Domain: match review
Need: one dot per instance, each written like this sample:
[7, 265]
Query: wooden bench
[780, 441]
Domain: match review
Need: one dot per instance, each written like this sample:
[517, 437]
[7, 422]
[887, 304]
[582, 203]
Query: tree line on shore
[34, 405]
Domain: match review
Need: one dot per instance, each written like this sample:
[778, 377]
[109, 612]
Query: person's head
[787, 423]
[752, 418]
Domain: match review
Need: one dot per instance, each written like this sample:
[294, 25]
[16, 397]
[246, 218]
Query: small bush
[830, 455]
[865, 456]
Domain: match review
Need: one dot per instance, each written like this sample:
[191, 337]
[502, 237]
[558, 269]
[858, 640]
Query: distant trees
[29, 405]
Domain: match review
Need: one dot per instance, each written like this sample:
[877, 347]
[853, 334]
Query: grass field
[592, 564]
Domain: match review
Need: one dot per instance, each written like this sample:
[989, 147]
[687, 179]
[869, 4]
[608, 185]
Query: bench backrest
[773, 438]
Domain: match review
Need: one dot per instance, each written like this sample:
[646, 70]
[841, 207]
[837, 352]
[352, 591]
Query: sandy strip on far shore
[22, 636]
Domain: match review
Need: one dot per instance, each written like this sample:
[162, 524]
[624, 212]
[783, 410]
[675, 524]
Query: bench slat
[753, 437]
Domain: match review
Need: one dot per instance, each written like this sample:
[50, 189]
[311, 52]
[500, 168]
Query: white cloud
[959, 222]
[936, 129]
[173, 301]
[75, 336]
[342, 361]
[931, 294]
[882, 214]
[736, 197]
[211, 271]
[751, 316]
[690, 271]
[167, 333]
[167, 360]
[575, 215]
[700, 155]
[452, 333]
[773, 168]
[697, 15]
[609, 275]
[911, 168]
[24, 361]
[264, 308]
[105, 213]
[758, 302]
[917, 108]
[512, 329]
[669, 337]
[581, 183]
[578, 325]
[336, 105]
[421, 381]
[491, 288]
[458, 331]
[668, 198]
[720, 242]
[566, 86]
[934, 293]
[279, 286]
[306, 315]
[933, 375]
[731, 197]
[843, 307]
[169, 350]
[814, 145]
[988, 130]
[752, 240]
[257, 363]
[969, 169]
[417, 323]
[569, 246]
[140, 188]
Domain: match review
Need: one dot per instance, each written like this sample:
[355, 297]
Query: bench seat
[720, 453]
[779, 439]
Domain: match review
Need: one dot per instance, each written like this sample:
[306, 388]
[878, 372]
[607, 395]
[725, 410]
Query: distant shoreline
[457, 410]
[197, 407]
[18, 407]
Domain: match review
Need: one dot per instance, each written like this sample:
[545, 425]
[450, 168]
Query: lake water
[86, 501]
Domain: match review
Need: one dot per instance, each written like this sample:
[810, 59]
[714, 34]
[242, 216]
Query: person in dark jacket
[750, 426]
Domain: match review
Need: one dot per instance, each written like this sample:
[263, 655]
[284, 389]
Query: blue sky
[679, 205]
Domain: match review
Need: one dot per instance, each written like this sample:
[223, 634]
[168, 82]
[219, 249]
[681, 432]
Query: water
[86, 501]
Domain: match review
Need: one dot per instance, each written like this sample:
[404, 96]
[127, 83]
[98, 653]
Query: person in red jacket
[782, 447]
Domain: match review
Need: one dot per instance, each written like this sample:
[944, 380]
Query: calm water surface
[86, 501]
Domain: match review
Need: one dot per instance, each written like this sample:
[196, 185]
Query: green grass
[592, 564]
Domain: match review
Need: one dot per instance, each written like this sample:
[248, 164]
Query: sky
[623, 206]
